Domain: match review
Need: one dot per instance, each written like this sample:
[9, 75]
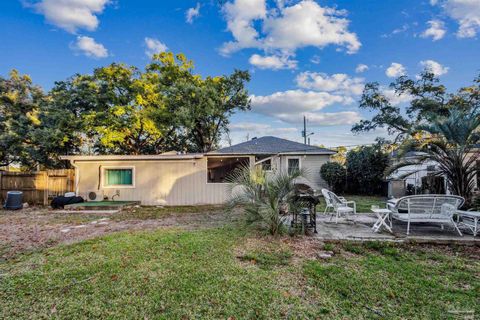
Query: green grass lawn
[231, 273]
[364, 203]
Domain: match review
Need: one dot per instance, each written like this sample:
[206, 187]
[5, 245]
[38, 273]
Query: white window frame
[299, 162]
[118, 186]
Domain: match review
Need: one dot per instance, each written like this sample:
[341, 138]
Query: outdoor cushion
[345, 209]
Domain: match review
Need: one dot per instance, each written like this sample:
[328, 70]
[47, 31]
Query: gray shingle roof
[271, 145]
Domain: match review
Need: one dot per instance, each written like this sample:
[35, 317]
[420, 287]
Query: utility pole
[305, 135]
[304, 130]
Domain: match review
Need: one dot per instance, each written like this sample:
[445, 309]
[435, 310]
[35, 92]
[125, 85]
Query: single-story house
[190, 179]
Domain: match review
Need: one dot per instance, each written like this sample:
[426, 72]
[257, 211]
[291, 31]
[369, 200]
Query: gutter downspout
[77, 175]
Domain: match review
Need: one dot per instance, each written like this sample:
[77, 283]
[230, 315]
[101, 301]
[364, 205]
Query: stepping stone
[324, 255]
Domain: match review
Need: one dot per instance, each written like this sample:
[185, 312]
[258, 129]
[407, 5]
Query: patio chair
[427, 208]
[340, 205]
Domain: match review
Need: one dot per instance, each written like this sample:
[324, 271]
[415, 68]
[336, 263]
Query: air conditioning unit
[95, 195]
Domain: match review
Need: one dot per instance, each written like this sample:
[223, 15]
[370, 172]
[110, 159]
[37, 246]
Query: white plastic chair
[340, 205]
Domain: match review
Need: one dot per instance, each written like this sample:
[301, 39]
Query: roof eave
[131, 157]
[309, 152]
[274, 153]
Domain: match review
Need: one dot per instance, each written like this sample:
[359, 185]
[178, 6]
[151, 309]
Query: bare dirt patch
[34, 228]
[301, 248]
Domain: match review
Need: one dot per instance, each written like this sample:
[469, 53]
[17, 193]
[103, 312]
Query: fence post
[1, 185]
[46, 188]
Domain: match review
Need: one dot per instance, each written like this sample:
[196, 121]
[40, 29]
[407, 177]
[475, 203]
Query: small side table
[470, 220]
[382, 216]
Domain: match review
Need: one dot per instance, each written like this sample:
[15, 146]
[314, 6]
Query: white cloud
[154, 46]
[403, 29]
[465, 12]
[323, 118]
[249, 126]
[315, 59]
[436, 30]
[290, 106]
[296, 101]
[339, 83]
[395, 70]
[240, 131]
[284, 29]
[332, 138]
[192, 13]
[308, 24]
[260, 128]
[240, 15]
[71, 15]
[316, 91]
[361, 68]
[272, 62]
[394, 98]
[89, 47]
[435, 67]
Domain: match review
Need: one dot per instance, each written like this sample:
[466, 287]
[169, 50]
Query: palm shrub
[263, 197]
[450, 141]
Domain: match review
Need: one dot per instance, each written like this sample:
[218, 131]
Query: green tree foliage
[366, 166]
[20, 102]
[334, 175]
[427, 95]
[341, 155]
[166, 107]
[118, 109]
[451, 141]
[202, 106]
[63, 128]
[441, 126]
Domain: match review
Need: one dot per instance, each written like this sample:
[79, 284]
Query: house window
[219, 170]
[118, 177]
[293, 165]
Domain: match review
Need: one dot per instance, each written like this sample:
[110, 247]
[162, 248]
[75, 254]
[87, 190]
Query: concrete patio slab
[101, 205]
[359, 228]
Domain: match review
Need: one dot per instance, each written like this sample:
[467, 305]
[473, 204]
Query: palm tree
[451, 142]
[263, 197]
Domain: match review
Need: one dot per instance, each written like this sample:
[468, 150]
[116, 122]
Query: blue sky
[306, 57]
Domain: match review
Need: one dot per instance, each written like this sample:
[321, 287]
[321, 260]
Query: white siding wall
[311, 164]
[158, 182]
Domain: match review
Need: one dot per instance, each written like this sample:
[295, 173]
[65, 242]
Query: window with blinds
[293, 165]
[118, 177]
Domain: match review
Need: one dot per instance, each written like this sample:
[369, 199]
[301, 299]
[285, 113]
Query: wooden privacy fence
[37, 187]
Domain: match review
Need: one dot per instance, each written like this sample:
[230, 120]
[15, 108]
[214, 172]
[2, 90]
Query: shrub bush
[334, 175]
[366, 168]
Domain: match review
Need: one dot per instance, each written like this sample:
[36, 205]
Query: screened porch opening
[220, 169]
